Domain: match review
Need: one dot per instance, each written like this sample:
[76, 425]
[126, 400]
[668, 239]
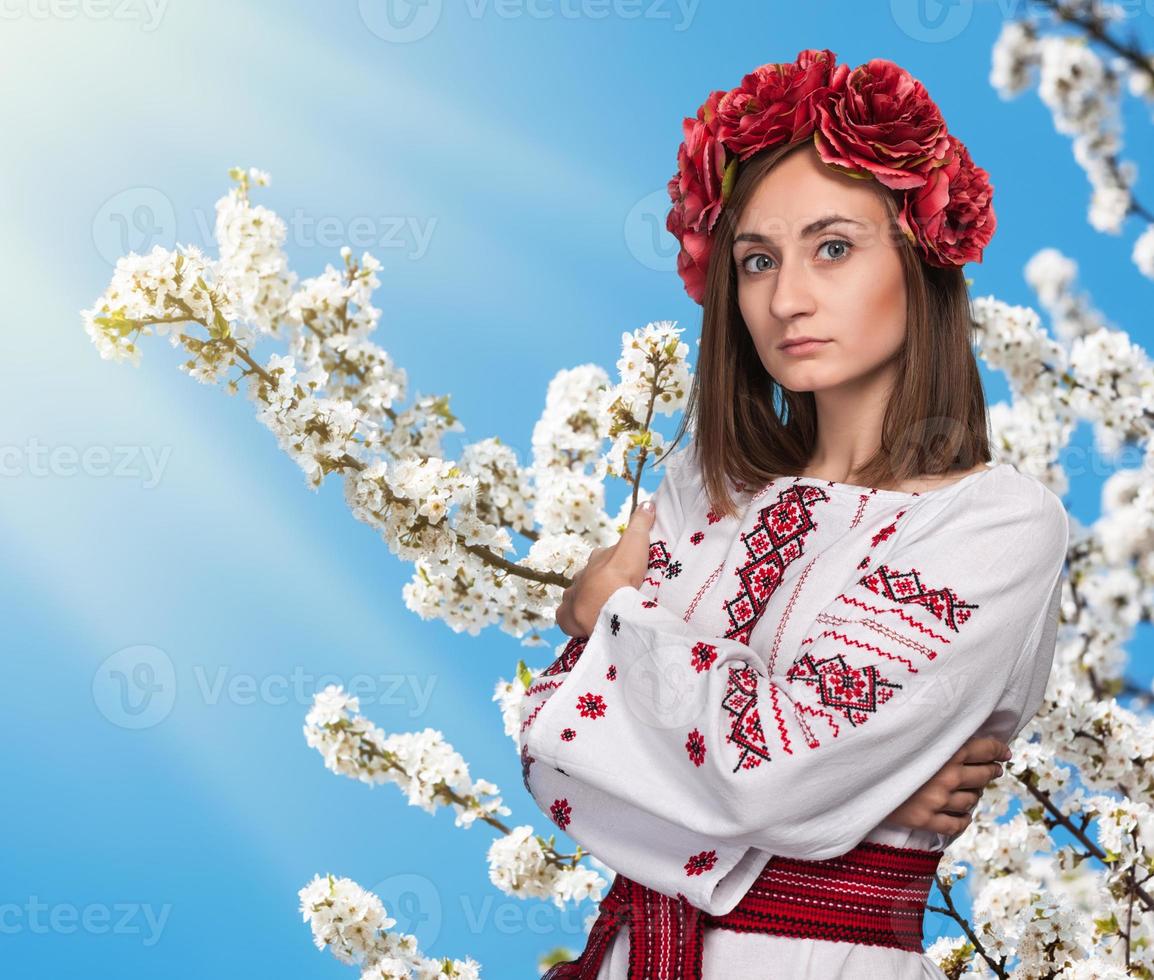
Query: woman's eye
[837, 241]
[745, 262]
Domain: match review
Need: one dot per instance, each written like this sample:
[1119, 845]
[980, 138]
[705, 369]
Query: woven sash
[875, 895]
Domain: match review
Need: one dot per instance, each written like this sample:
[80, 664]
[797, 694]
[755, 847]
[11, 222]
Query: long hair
[748, 428]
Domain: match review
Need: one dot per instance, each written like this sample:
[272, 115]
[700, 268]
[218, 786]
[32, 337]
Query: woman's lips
[808, 347]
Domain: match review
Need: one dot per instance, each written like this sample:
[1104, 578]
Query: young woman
[835, 592]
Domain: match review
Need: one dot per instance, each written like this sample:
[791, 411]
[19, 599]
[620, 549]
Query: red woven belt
[875, 894]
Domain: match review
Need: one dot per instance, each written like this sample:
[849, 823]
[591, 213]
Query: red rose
[777, 103]
[697, 191]
[882, 122]
[951, 216]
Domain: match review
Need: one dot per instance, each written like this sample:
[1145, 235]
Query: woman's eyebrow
[808, 231]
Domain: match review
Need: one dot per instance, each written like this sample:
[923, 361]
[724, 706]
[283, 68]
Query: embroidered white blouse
[784, 679]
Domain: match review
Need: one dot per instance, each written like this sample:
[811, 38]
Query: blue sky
[508, 168]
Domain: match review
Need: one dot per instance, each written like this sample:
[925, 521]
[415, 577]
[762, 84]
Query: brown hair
[748, 428]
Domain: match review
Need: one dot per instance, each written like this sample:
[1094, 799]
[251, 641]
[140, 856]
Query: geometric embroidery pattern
[658, 556]
[776, 540]
[852, 692]
[855, 693]
[745, 729]
[907, 587]
[568, 658]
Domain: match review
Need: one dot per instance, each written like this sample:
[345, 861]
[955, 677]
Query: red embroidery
[855, 693]
[712, 517]
[527, 761]
[695, 746]
[568, 734]
[569, 656]
[561, 811]
[658, 555]
[886, 532]
[774, 543]
[702, 656]
[697, 537]
[700, 863]
[591, 705]
[648, 603]
[901, 614]
[745, 729]
[907, 587]
[611, 673]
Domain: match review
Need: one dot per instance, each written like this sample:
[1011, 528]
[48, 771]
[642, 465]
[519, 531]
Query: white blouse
[784, 679]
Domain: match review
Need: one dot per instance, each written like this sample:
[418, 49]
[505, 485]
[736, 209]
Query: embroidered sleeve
[654, 849]
[918, 650]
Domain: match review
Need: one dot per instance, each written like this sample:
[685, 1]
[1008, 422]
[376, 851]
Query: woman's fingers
[962, 801]
[948, 824]
[976, 775]
[985, 748]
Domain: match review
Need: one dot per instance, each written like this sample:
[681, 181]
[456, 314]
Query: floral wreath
[876, 121]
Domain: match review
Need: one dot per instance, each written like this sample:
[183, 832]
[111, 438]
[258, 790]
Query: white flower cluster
[1083, 94]
[317, 433]
[654, 378]
[252, 260]
[334, 317]
[519, 865]
[150, 293]
[427, 769]
[353, 924]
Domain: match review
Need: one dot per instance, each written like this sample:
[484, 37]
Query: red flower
[700, 863]
[561, 812]
[884, 124]
[777, 103]
[698, 191]
[951, 216]
[591, 705]
[695, 746]
[702, 656]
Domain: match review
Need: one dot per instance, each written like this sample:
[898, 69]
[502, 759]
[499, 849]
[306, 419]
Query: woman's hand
[607, 569]
[944, 804]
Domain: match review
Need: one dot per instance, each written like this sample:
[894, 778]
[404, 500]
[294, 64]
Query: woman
[835, 591]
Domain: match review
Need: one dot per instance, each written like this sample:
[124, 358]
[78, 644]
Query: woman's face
[841, 283]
